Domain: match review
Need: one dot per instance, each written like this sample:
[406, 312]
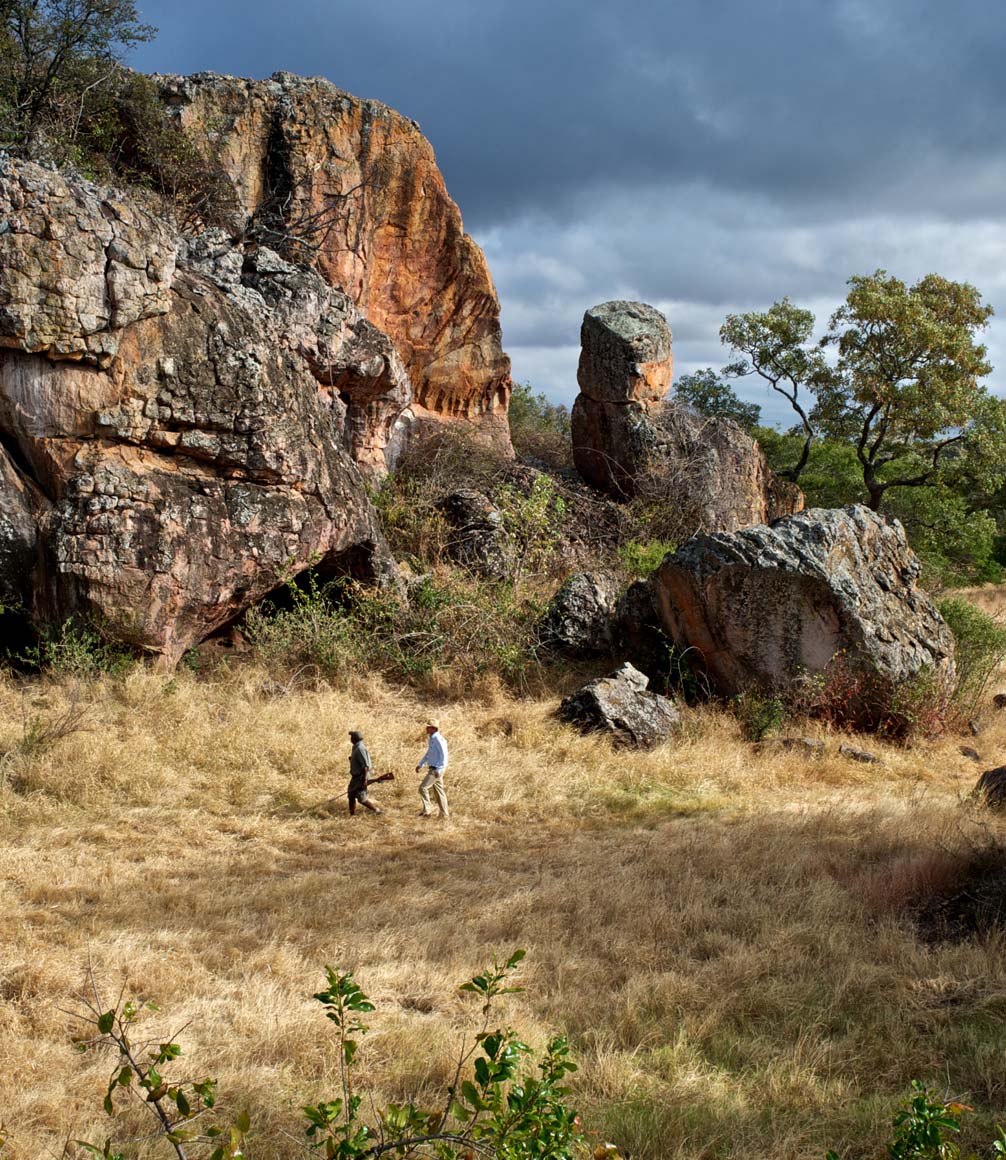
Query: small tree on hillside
[775, 346]
[905, 390]
[711, 395]
[52, 53]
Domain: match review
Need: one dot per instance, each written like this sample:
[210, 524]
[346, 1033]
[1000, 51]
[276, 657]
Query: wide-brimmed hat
[433, 723]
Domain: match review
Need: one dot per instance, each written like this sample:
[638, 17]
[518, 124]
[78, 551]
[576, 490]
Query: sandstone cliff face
[360, 184]
[178, 417]
[628, 441]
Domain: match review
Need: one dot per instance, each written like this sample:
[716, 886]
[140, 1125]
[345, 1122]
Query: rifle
[373, 781]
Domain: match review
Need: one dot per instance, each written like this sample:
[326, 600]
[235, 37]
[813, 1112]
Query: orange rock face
[358, 184]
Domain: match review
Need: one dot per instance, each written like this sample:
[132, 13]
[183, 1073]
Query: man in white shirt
[435, 759]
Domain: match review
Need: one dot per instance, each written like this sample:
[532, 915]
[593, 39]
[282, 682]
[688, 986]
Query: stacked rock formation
[765, 606]
[176, 417]
[355, 185]
[627, 439]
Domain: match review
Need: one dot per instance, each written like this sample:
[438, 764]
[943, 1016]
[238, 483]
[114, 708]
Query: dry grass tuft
[726, 936]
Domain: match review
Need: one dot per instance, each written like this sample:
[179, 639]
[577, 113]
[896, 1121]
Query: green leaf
[243, 1122]
[106, 1022]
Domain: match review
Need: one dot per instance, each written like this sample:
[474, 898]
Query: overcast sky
[706, 156]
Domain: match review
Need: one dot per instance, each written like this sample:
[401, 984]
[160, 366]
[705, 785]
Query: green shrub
[760, 715]
[921, 1127]
[980, 649]
[641, 559]
[77, 649]
[539, 429]
[532, 523]
[466, 625]
[504, 1100]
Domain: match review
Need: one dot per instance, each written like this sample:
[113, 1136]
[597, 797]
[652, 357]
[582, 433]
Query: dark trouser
[360, 794]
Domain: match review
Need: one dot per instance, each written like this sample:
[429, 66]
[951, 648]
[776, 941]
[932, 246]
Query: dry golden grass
[990, 598]
[723, 935]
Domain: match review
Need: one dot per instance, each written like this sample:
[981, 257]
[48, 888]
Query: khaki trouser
[434, 778]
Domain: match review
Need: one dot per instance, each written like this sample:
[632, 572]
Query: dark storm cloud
[537, 105]
[708, 156]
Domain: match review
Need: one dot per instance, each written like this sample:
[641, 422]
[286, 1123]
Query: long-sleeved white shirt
[436, 753]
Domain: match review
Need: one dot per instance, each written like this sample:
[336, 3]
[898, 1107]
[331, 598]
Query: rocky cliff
[178, 417]
[355, 185]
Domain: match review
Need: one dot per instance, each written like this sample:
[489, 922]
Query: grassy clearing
[724, 935]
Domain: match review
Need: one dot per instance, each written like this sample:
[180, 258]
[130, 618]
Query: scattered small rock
[967, 751]
[999, 700]
[992, 787]
[809, 746]
[975, 727]
[621, 705]
[854, 754]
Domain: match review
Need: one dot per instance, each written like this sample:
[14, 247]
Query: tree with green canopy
[53, 54]
[905, 388]
[712, 395]
[775, 345]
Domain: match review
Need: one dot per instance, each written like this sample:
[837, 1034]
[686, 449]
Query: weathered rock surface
[628, 441]
[580, 618]
[78, 265]
[620, 704]
[806, 746]
[625, 353]
[991, 788]
[478, 539]
[22, 507]
[766, 605]
[359, 184]
[197, 450]
[855, 754]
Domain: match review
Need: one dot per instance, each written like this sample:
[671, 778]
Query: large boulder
[355, 186]
[619, 704]
[628, 441]
[185, 416]
[765, 606]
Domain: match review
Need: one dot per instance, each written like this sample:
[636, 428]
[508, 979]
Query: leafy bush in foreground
[504, 1100]
[920, 1129]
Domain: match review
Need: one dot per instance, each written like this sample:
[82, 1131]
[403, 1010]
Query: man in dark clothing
[359, 775]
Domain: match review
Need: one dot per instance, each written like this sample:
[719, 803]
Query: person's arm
[426, 758]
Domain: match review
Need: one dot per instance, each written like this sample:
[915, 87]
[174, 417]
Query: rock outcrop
[355, 185]
[620, 705]
[580, 618]
[22, 509]
[178, 415]
[627, 440]
[477, 538]
[991, 789]
[764, 606]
